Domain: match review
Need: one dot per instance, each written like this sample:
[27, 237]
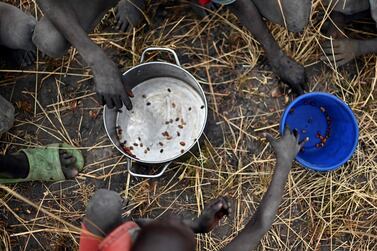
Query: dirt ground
[55, 102]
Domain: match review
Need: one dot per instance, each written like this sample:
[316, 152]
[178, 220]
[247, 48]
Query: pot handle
[160, 49]
[129, 167]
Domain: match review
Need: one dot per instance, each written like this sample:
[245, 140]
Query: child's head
[169, 234]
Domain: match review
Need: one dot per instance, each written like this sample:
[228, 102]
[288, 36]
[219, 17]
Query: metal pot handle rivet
[160, 49]
[129, 167]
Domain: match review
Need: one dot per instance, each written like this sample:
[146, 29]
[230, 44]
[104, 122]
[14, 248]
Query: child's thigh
[294, 14]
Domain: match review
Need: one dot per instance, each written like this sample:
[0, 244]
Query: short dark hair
[165, 236]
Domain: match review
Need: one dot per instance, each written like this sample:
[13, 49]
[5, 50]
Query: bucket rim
[345, 106]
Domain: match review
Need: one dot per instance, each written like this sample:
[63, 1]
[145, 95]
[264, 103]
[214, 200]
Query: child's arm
[286, 150]
[110, 88]
[210, 216]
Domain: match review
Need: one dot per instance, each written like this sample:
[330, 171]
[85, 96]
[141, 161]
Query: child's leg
[17, 165]
[16, 29]
[286, 68]
[14, 166]
[11, 166]
[62, 19]
[51, 41]
[294, 14]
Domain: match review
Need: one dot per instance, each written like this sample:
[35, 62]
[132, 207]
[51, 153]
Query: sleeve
[204, 2]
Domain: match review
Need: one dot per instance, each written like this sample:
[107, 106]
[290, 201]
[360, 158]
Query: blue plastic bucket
[330, 125]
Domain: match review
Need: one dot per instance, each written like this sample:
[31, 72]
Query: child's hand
[212, 215]
[129, 14]
[288, 146]
[110, 87]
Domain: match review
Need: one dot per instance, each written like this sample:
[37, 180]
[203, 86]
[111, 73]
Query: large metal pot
[168, 117]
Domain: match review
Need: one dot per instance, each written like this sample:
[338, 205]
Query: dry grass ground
[55, 102]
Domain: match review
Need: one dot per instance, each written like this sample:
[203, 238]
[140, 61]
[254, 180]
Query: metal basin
[168, 117]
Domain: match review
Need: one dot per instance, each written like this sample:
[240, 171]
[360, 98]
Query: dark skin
[16, 166]
[168, 234]
[110, 201]
[341, 50]
[52, 42]
[178, 234]
[16, 29]
[128, 14]
[285, 67]
[285, 150]
[72, 19]
[292, 14]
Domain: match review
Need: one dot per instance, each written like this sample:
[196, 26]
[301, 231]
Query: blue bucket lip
[355, 123]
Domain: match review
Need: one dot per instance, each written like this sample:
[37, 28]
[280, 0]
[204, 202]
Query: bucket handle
[129, 167]
[160, 49]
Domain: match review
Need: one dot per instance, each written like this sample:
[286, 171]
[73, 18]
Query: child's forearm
[263, 218]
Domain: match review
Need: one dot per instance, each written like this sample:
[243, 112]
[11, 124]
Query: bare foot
[27, 58]
[129, 14]
[340, 52]
[17, 58]
[289, 71]
[68, 163]
[334, 26]
[16, 166]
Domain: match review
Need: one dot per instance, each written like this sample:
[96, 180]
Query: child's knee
[49, 40]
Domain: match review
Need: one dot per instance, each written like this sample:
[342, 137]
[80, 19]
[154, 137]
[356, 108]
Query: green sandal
[45, 163]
